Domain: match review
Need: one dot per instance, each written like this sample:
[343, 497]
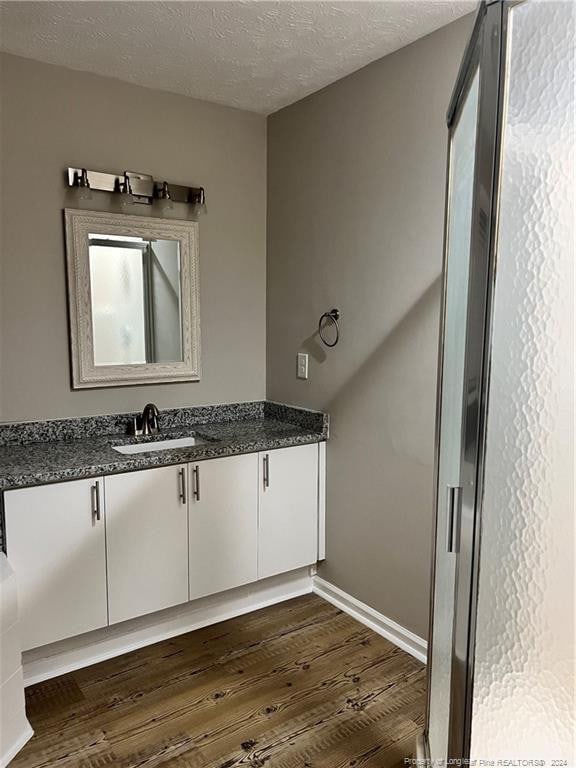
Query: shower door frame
[486, 51]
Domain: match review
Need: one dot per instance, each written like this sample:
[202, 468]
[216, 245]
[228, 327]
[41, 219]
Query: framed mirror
[133, 299]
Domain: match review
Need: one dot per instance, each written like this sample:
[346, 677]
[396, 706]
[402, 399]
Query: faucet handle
[136, 426]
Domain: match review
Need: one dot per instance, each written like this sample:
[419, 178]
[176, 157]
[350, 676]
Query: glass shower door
[473, 119]
[460, 190]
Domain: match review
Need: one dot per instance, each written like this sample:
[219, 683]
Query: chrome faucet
[149, 419]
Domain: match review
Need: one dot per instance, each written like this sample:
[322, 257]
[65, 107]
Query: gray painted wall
[52, 118]
[356, 178]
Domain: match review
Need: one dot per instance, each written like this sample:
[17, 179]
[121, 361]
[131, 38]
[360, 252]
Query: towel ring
[333, 316]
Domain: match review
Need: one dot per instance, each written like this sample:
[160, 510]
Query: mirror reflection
[136, 300]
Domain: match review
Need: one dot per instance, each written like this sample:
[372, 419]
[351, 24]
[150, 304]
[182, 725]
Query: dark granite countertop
[35, 454]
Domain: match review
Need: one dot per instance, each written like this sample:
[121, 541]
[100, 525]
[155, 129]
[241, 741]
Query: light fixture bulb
[82, 183]
[165, 201]
[126, 196]
[199, 208]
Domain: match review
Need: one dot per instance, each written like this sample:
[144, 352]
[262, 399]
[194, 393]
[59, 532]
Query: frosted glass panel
[461, 186]
[136, 300]
[166, 335]
[117, 287]
[524, 673]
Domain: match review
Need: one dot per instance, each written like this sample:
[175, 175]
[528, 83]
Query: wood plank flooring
[297, 685]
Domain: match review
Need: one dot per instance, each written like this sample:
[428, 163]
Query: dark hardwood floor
[297, 685]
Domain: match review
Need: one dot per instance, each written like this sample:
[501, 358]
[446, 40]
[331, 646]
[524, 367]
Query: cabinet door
[146, 541]
[223, 524]
[288, 509]
[55, 543]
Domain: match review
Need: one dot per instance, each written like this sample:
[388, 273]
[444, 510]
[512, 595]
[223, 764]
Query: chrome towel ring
[333, 316]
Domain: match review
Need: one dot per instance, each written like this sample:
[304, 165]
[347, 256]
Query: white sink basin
[159, 445]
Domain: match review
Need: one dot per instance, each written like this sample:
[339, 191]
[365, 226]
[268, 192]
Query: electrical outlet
[302, 365]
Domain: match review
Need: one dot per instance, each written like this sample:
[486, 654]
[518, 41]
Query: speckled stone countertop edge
[154, 459]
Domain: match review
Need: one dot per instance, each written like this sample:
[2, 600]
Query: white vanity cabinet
[223, 524]
[92, 553]
[146, 541]
[55, 542]
[288, 509]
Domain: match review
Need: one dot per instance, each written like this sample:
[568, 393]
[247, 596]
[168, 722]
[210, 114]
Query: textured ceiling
[252, 54]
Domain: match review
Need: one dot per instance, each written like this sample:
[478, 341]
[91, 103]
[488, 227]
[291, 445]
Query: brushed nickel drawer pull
[95, 489]
[182, 478]
[196, 482]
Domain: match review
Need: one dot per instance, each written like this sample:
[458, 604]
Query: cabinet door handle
[96, 513]
[196, 482]
[182, 480]
[266, 469]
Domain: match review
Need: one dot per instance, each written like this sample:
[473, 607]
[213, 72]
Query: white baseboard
[396, 633]
[82, 651]
[7, 757]
[102, 644]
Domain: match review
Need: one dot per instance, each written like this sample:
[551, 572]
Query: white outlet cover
[302, 365]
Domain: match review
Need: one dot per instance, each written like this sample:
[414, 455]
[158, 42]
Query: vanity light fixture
[137, 187]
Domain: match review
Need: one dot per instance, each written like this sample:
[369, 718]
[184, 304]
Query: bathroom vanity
[101, 528]
[118, 526]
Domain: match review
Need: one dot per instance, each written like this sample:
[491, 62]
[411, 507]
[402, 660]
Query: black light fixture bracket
[143, 187]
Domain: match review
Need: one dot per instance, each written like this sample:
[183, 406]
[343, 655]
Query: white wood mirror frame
[85, 374]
